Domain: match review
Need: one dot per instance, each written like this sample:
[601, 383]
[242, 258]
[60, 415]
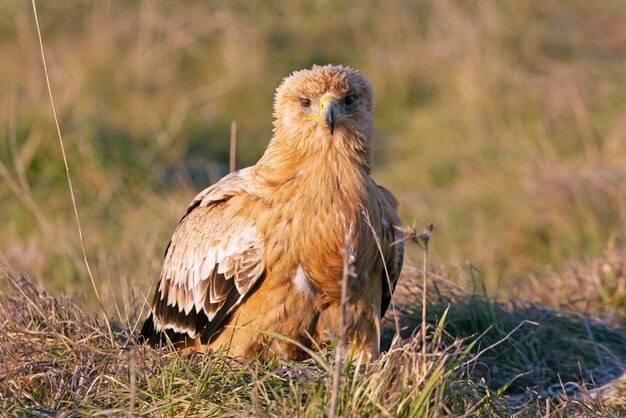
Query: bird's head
[324, 107]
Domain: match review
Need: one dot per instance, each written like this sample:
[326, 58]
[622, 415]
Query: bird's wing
[392, 245]
[213, 261]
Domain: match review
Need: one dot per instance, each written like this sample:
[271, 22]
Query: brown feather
[263, 248]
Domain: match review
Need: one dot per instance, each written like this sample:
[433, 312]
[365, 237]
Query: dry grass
[595, 289]
[57, 358]
[481, 359]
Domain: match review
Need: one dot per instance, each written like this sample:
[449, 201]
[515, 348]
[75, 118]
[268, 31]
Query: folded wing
[212, 263]
[392, 245]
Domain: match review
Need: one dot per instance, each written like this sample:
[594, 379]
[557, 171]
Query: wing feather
[392, 244]
[213, 261]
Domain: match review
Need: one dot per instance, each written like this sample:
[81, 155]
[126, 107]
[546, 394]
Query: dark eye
[304, 102]
[350, 99]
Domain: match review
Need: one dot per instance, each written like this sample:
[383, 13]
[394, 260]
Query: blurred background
[502, 122]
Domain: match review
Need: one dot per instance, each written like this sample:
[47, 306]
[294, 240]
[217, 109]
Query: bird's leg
[363, 330]
[368, 337]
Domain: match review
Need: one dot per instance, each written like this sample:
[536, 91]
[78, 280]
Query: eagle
[255, 267]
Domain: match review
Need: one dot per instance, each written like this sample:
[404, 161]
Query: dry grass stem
[69, 177]
[347, 274]
[386, 270]
[424, 238]
[233, 146]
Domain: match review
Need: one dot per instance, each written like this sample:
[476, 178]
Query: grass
[500, 121]
[58, 358]
[482, 359]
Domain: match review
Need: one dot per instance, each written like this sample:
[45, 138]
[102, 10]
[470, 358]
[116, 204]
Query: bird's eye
[304, 102]
[350, 99]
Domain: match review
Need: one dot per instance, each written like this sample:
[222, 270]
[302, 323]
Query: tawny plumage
[263, 249]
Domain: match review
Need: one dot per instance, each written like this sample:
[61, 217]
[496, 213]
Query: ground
[481, 358]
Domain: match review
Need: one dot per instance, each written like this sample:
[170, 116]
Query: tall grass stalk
[69, 177]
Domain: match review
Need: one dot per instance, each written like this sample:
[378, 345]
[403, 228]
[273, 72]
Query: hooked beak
[328, 111]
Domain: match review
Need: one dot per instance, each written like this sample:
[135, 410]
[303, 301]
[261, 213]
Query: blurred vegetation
[502, 122]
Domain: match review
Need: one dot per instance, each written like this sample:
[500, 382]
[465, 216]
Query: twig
[233, 144]
[69, 178]
[425, 237]
[421, 239]
[341, 339]
[19, 288]
[506, 337]
[366, 215]
[132, 366]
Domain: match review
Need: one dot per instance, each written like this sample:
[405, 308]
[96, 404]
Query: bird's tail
[149, 334]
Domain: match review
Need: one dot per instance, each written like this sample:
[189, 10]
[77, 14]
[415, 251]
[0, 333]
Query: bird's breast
[306, 234]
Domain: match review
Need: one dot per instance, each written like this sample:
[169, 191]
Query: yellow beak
[328, 111]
